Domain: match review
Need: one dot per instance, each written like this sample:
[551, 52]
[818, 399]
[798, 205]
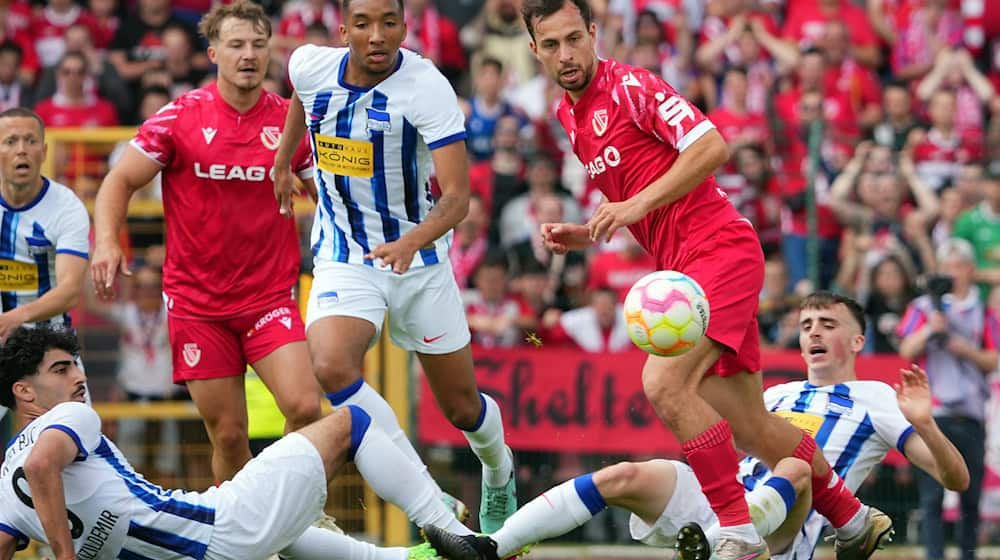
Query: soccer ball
[666, 313]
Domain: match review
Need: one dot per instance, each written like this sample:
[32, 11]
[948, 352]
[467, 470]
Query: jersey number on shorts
[75, 524]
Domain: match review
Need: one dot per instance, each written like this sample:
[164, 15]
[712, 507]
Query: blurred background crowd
[864, 135]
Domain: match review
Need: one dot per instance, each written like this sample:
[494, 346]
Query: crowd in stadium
[864, 137]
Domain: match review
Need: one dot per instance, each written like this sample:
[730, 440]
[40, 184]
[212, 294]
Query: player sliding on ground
[652, 154]
[855, 422]
[64, 483]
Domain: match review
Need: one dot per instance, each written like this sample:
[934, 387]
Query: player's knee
[230, 438]
[464, 415]
[334, 373]
[302, 411]
[618, 481]
[796, 471]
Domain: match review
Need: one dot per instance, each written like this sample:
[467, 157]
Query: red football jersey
[228, 249]
[628, 129]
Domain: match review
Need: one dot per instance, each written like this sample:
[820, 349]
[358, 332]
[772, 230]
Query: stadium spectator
[106, 22]
[598, 327]
[485, 108]
[28, 64]
[499, 179]
[137, 47]
[806, 20]
[497, 32]
[496, 317]
[776, 303]
[101, 78]
[738, 126]
[145, 373]
[898, 118]
[469, 244]
[945, 330]
[940, 151]
[952, 204]
[980, 226]
[519, 218]
[955, 71]
[619, 267]
[75, 102]
[929, 30]
[178, 60]
[889, 287]
[669, 47]
[754, 191]
[49, 25]
[14, 90]
[846, 76]
[435, 36]
[298, 15]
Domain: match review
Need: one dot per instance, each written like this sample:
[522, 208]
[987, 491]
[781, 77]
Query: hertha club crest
[600, 121]
[270, 136]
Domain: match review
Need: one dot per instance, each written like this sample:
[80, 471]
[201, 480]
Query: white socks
[487, 442]
[769, 504]
[554, 513]
[320, 544]
[395, 479]
[385, 418]
[853, 527]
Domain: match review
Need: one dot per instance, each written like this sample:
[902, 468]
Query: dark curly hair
[21, 355]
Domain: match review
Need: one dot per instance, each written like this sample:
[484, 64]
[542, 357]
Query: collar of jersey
[30, 205]
[227, 108]
[347, 86]
[592, 88]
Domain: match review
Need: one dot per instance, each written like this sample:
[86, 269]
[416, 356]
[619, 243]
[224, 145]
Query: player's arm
[60, 299]
[928, 448]
[452, 166]
[692, 166]
[52, 452]
[132, 172]
[291, 137]
[7, 546]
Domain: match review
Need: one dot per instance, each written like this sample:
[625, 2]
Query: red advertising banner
[568, 400]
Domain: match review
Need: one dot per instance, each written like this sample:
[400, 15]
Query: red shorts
[729, 265]
[210, 349]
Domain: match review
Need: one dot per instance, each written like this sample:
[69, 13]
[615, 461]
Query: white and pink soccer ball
[666, 313]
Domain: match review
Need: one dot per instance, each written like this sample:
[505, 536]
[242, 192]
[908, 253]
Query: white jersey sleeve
[890, 424]
[79, 422]
[72, 233]
[435, 110]
[310, 65]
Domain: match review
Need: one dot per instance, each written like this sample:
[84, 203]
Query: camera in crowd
[937, 285]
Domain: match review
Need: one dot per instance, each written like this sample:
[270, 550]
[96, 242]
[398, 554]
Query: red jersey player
[232, 259]
[653, 154]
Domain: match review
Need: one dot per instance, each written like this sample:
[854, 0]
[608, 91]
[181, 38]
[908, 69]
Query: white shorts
[270, 502]
[426, 313]
[686, 505]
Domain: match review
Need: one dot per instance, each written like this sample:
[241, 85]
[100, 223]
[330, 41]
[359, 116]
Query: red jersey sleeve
[156, 136]
[657, 109]
[303, 165]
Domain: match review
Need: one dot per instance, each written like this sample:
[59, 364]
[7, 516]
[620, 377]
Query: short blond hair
[211, 23]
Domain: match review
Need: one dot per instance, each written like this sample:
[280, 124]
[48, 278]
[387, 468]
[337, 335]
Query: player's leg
[426, 315]
[772, 438]
[207, 357]
[671, 385]
[223, 408]
[276, 348]
[791, 481]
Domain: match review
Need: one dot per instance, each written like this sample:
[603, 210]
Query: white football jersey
[31, 237]
[372, 150]
[113, 511]
[855, 423]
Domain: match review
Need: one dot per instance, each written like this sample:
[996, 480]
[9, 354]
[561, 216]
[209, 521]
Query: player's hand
[284, 187]
[610, 216]
[9, 322]
[398, 255]
[914, 395]
[562, 238]
[107, 262]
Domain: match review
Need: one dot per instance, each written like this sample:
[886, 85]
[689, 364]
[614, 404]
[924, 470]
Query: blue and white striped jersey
[855, 423]
[113, 511]
[372, 150]
[31, 236]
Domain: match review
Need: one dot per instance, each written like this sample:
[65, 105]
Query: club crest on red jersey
[270, 136]
[600, 121]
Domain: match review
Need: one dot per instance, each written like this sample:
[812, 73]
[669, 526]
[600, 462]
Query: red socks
[713, 459]
[830, 497]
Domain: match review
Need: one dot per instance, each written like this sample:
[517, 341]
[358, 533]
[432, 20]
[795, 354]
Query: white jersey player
[64, 483]
[855, 422]
[379, 117]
